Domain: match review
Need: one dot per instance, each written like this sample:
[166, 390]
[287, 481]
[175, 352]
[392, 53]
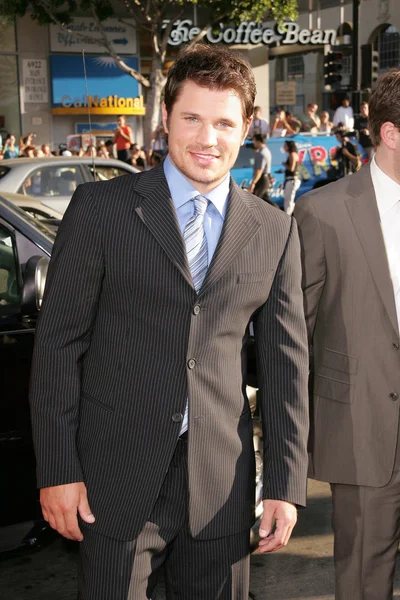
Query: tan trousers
[366, 524]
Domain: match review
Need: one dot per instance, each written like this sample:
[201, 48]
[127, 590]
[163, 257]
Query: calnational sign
[100, 105]
[250, 32]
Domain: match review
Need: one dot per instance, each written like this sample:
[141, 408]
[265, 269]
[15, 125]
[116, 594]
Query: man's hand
[60, 505]
[285, 515]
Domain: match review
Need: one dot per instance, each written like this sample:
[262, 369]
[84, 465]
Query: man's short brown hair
[213, 67]
[384, 104]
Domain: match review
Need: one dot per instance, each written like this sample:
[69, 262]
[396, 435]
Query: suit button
[393, 396]
[177, 418]
[395, 346]
[196, 309]
[191, 363]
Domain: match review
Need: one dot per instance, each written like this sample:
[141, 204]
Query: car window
[36, 213]
[103, 173]
[53, 181]
[9, 273]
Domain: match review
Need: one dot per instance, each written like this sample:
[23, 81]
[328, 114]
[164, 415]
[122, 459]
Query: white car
[54, 180]
[34, 207]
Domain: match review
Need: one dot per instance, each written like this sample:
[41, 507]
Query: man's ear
[164, 117]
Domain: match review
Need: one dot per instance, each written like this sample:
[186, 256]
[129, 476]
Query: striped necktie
[196, 242]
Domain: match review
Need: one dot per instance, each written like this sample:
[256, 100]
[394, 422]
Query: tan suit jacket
[353, 329]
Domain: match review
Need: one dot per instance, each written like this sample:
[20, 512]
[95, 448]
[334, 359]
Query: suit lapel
[240, 226]
[157, 212]
[364, 213]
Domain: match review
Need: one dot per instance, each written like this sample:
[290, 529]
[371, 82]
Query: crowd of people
[346, 155]
[121, 146]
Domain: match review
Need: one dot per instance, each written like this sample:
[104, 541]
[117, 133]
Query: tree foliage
[156, 18]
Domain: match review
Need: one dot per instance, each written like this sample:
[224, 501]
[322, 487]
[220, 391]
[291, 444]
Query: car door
[19, 497]
[54, 184]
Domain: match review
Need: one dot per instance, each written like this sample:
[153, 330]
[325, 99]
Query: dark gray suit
[124, 339]
[352, 325]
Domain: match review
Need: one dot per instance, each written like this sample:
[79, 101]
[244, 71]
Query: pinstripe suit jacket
[112, 369]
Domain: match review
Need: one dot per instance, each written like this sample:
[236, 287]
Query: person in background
[155, 160]
[344, 116]
[159, 140]
[28, 151]
[346, 154]
[102, 151]
[326, 125]
[349, 232]
[10, 150]
[293, 123]
[136, 158]
[361, 125]
[109, 146]
[25, 142]
[259, 185]
[292, 178]
[46, 150]
[123, 139]
[311, 120]
[38, 152]
[258, 125]
[279, 125]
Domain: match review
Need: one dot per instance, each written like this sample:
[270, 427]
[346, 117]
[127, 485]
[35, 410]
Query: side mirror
[34, 283]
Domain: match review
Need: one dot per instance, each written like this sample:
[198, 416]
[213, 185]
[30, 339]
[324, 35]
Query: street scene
[200, 300]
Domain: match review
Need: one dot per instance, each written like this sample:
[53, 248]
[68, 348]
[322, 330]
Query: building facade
[50, 87]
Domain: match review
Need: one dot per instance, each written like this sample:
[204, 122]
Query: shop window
[387, 43]
[7, 35]
[295, 67]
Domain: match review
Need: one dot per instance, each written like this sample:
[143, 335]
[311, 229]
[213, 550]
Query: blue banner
[104, 78]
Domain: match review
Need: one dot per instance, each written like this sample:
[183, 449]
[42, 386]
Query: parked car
[54, 180]
[36, 209]
[25, 249]
[316, 162]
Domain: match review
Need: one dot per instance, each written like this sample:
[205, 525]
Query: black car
[25, 249]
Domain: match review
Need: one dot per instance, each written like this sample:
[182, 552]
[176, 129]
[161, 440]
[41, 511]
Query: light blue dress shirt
[182, 192]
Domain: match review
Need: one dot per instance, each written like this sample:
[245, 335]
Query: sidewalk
[302, 571]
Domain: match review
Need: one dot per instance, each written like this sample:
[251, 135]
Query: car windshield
[30, 221]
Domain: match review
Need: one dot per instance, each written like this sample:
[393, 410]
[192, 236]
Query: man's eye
[191, 119]
[224, 124]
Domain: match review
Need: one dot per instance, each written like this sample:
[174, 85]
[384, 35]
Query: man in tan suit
[350, 234]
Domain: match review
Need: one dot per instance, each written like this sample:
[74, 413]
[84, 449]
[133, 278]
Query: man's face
[364, 110]
[205, 131]
[324, 117]
[346, 102]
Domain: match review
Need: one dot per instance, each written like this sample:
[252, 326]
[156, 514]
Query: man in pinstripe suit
[138, 384]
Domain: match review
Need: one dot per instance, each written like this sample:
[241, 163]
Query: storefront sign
[34, 80]
[123, 37]
[285, 92]
[249, 32]
[109, 91]
[106, 105]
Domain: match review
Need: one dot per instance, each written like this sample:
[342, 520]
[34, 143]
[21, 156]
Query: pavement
[301, 571]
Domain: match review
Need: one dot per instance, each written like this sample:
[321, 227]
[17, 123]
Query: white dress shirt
[387, 192]
[345, 115]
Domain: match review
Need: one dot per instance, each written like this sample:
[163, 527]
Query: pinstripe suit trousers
[195, 569]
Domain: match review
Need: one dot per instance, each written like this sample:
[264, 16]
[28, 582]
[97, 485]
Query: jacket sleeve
[282, 368]
[313, 260]
[63, 336]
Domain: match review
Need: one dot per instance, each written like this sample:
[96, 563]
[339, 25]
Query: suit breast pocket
[255, 277]
[327, 387]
